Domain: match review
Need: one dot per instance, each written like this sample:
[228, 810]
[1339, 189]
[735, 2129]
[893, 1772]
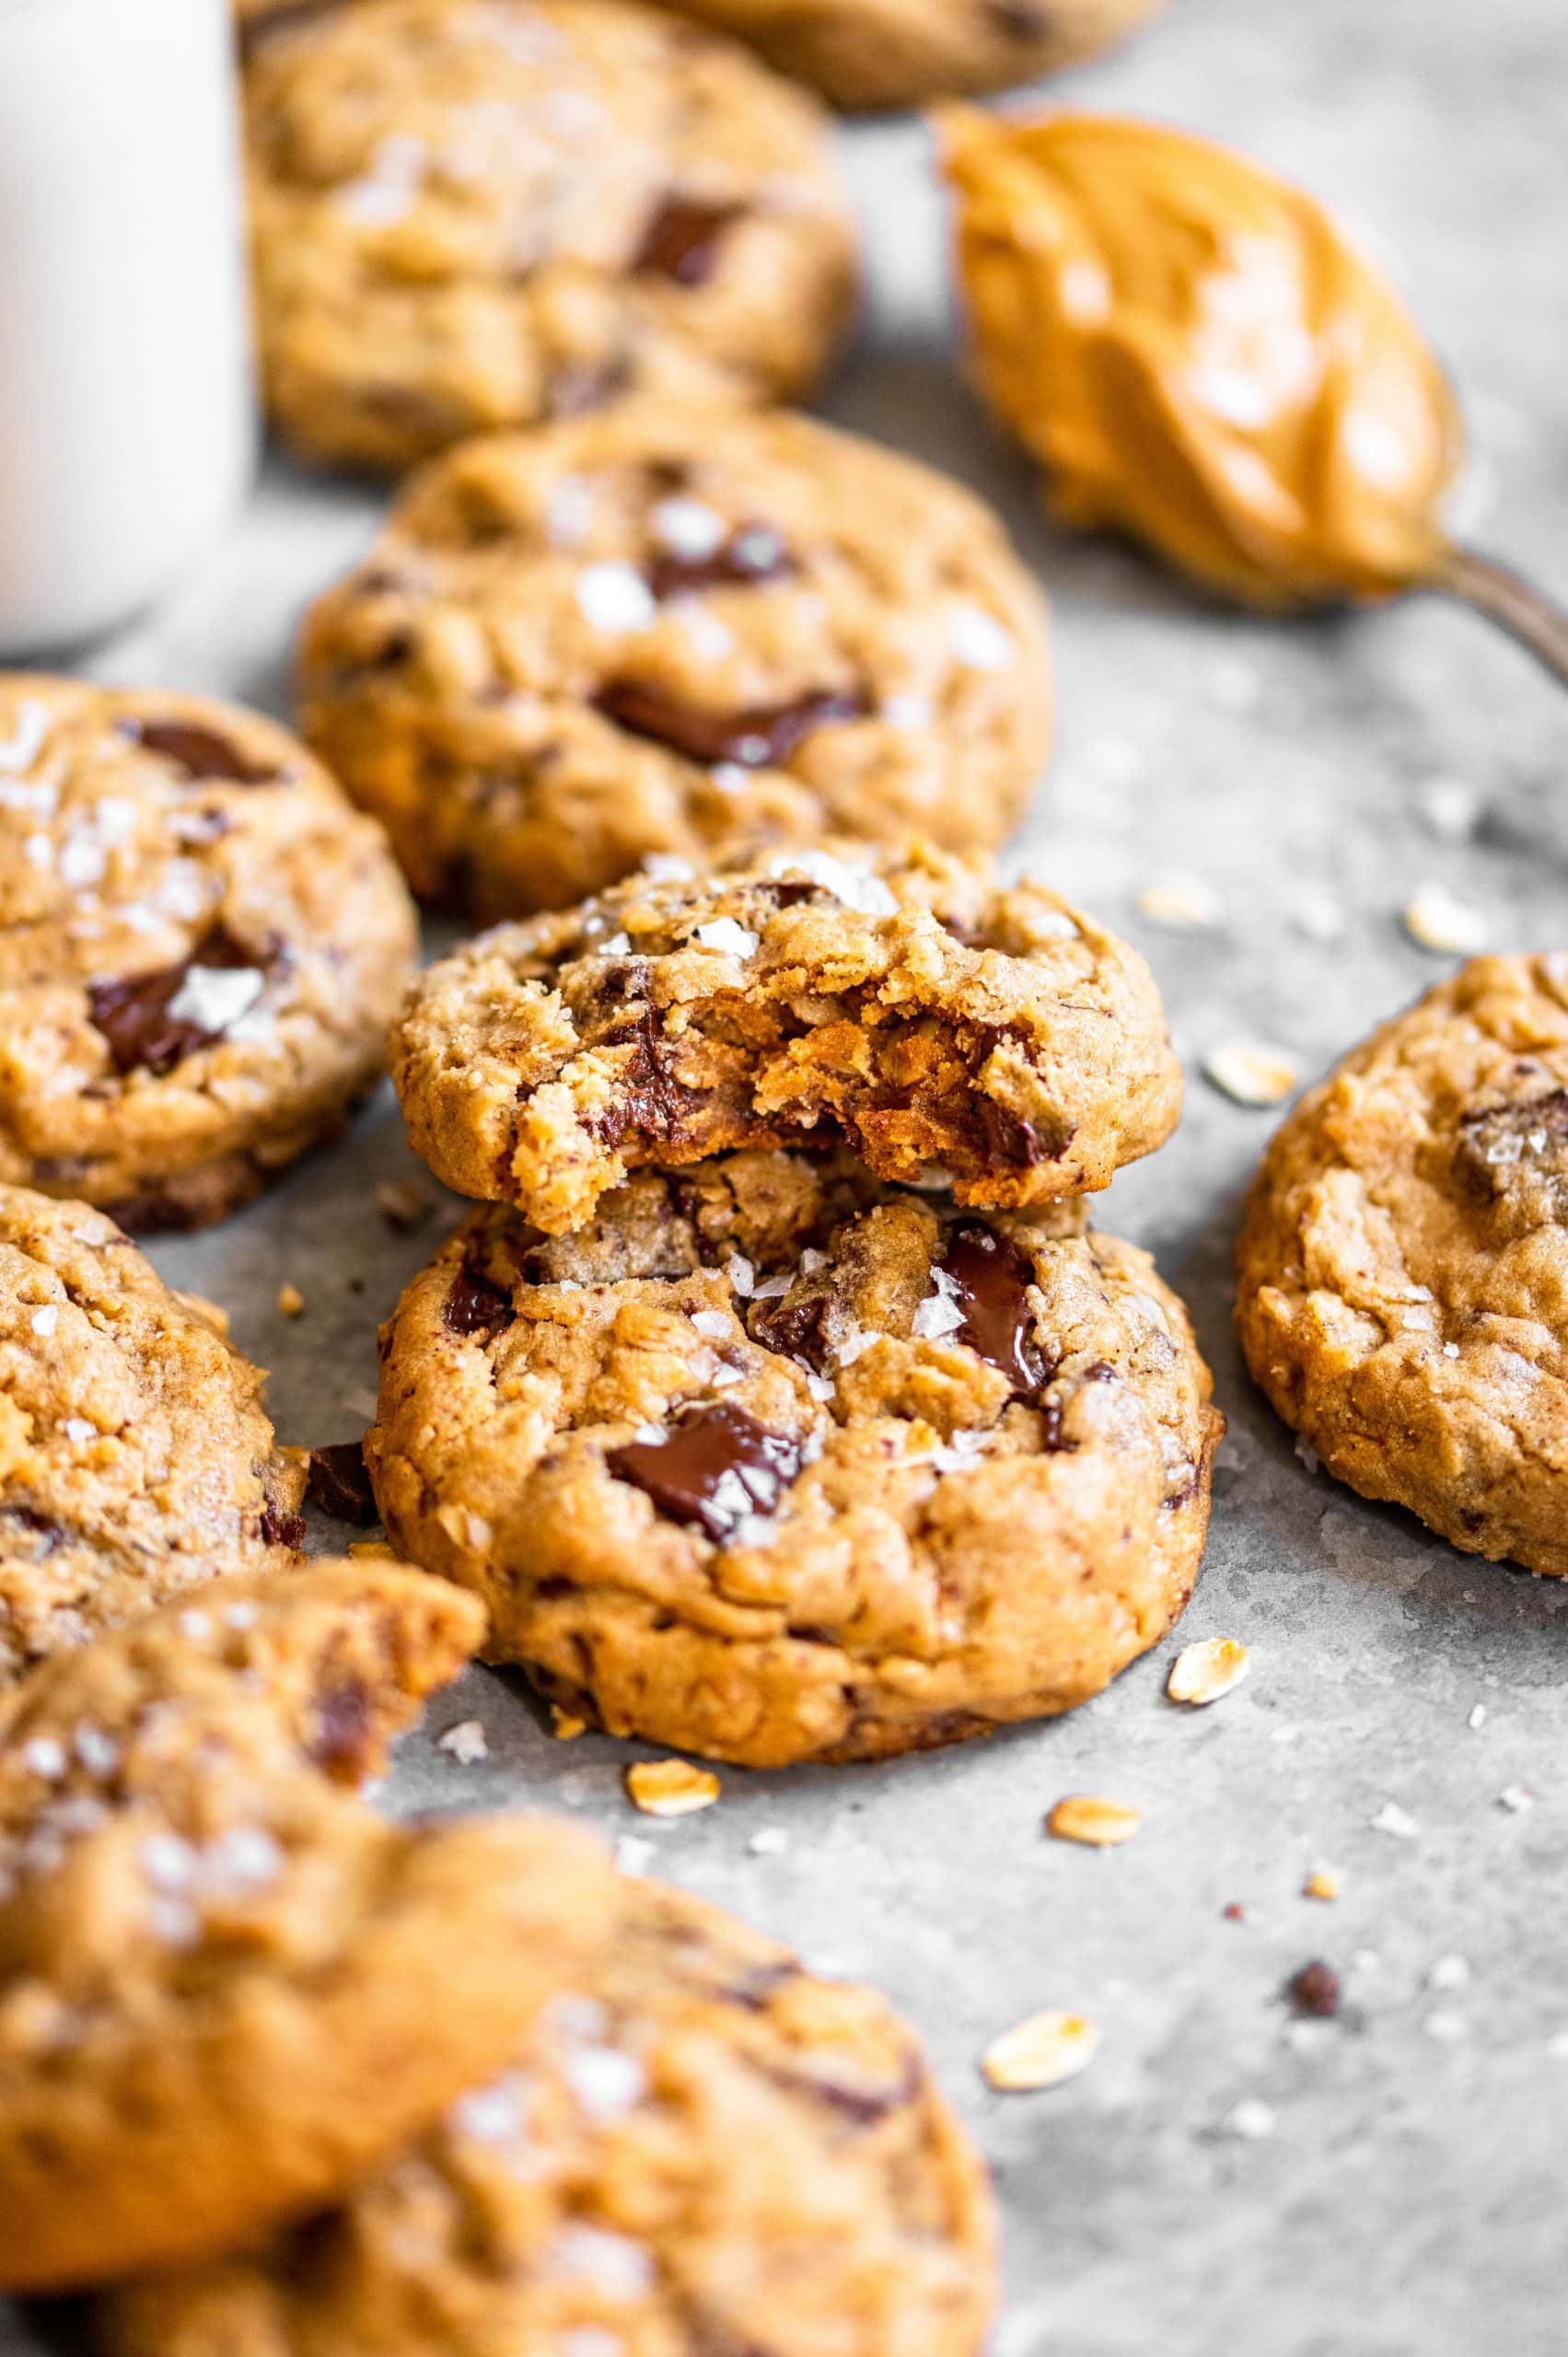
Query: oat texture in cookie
[774, 1463]
[703, 2148]
[1404, 1264]
[202, 946]
[135, 1455]
[226, 1986]
[899, 997]
[653, 633]
[468, 214]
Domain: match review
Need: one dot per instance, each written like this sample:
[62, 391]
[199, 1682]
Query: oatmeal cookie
[226, 1986]
[478, 212]
[703, 2148]
[1403, 1266]
[775, 1463]
[135, 1455]
[899, 997]
[650, 632]
[201, 946]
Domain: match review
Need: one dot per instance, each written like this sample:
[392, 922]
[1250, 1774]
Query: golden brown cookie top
[651, 631]
[898, 997]
[226, 1985]
[1404, 1261]
[702, 2147]
[135, 1455]
[1199, 355]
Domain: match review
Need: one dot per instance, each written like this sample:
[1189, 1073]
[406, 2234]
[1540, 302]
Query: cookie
[200, 949]
[655, 632]
[1403, 1296]
[899, 997]
[870, 54]
[477, 213]
[702, 2149]
[135, 1456]
[226, 1986]
[775, 1463]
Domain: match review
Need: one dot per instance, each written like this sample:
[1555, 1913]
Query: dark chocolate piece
[196, 752]
[759, 738]
[717, 1466]
[338, 1483]
[132, 1010]
[991, 1278]
[684, 238]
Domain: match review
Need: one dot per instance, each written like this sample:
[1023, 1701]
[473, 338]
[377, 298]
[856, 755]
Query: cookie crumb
[1322, 1883]
[1097, 1823]
[1315, 1990]
[1438, 919]
[291, 1301]
[670, 1787]
[1250, 1073]
[565, 1725]
[1392, 1818]
[403, 1203]
[1517, 1797]
[1202, 1673]
[1040, 2053]
[467, 1743]
[1234, 1913]
[377, 1549]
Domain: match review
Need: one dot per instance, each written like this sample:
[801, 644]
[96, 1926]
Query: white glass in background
[127, 428]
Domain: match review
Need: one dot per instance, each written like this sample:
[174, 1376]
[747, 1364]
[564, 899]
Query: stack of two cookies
[779, 1403]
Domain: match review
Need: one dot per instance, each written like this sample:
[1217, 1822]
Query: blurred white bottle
[127, 431]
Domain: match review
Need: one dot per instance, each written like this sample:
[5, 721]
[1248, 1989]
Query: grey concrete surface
[1402, 2193]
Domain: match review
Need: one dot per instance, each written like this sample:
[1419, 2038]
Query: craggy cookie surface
[1404, 1264]
[201, 946]
[478, 212]
[703, 2149]
[654, 632]
[135, 1455]
[775, 1463]
[226, 1986]
[901, 998]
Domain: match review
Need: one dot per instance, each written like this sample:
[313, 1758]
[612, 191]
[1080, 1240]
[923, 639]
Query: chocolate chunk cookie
[226, 1986]
[1404, 1264]
[135, 1456]
[201, 946]
[651, 632]
[775, 1463]
[899, 997]
[702, 2149]
[478, 213]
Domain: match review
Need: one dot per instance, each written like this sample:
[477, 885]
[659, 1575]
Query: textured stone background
[1409, 2198]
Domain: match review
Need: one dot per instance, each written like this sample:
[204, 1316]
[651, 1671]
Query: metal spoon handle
[1536, 621]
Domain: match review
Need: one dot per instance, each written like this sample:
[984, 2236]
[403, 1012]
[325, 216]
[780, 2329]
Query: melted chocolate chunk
[717, 1466]
[343, 1742]
[1015, 1143]
[476, 1306]
[650, 1099]
[132, 1010]
[338, 1483]
[796, 1325]
[756, 738]
[753, 552]
[683, 239]
[195, 752]
[991, 1277]
[1513, 1147]
[281, 1530]
[1315, 1990]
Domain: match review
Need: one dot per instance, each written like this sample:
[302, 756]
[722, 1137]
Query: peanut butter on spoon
[1200, 357]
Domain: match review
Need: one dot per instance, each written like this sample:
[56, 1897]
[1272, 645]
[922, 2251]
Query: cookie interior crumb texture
[774, 1463]
[650, 634]
[950, 1027]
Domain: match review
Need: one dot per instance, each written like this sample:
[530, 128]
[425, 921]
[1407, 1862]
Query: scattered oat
[1203, 1672]
[403, 1203]
[1249, 1074]
[1315, 1990]
[1517, 1797]
[1321, 1884]
[375, 1549]
[1251, 2119]
[1450, 1972]
[564, 1725]
[671, 1787]
[1040, 2053]
[467, 1742]
[1392, 1818]
[1179, 903]
[291, 1301]
[1439, 919]
[1097, 1823]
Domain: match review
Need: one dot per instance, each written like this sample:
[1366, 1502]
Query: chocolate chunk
[343, 1742]
[476, 1306]
[1015, 18]
[991, 1277]
[1515, 1147]
[649, 1099]
[796, 1325]
[1315, 1990]
[763, 1982]
[132, 1010]
[717, 1466]
[580, 386]
[755, 738]
[281, 1530]
[683, 239]
[753, 552]
[1015, 1143]
[196, 752]
[339, 1484]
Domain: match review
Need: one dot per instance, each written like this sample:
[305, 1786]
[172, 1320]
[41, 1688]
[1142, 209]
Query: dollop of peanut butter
[1199, 356]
